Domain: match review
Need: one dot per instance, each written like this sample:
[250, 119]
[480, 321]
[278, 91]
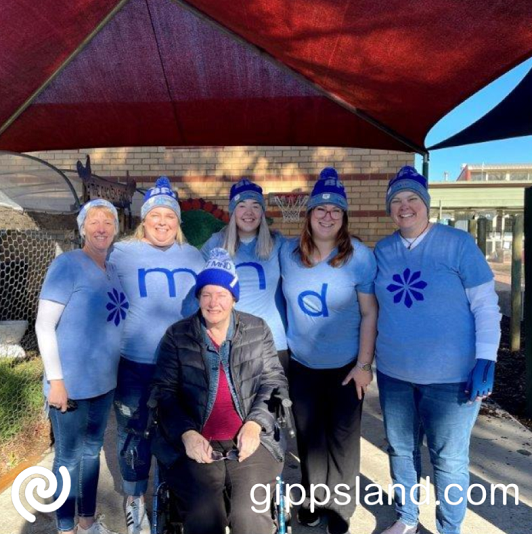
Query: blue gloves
[480, 382]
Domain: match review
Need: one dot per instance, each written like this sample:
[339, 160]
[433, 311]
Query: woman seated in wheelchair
[216, 436]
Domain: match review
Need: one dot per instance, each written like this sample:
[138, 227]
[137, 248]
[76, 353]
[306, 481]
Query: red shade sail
[365, 73]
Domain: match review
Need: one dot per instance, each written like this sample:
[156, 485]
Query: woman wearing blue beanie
[436, 349]
[217, 439]
[158, 271]
[328, 285]
[255, 251]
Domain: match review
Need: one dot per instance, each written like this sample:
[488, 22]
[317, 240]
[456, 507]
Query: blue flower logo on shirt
[117, 306]
[407, 286]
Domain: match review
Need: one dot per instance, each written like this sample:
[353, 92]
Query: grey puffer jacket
[182, 380]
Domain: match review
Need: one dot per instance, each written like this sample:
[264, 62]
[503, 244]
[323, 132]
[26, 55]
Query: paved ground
[501, 454]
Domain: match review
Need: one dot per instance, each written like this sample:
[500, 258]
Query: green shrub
[199, 225]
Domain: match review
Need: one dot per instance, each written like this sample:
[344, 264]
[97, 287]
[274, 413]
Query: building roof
[508, 168]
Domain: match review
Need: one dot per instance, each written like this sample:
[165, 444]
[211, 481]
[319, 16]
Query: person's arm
[484, 305]
[259, 416]
[48, 316]
[272, 378]
[178, 427]
[368, 332]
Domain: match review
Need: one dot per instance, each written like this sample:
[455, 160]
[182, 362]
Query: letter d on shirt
[308, 307]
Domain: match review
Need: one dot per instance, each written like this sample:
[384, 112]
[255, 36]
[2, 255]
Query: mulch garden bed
[510, 375]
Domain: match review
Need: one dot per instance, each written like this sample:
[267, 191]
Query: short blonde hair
[107, 211]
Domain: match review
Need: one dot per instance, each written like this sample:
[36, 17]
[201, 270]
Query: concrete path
[501, 454]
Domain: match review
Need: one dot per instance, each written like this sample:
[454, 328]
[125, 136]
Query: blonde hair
[140, 235]
[264, 246]
[106, 210]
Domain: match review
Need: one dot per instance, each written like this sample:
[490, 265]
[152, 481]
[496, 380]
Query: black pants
[327, 417]
[203, 492]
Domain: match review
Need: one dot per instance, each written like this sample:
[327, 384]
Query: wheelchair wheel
[287, 521]
[166, 517]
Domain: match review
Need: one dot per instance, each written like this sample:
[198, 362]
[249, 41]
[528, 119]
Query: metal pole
[517, 302]
[426, 165]
[528, 300]
[482, 227]
[472, 227]
[503, 230]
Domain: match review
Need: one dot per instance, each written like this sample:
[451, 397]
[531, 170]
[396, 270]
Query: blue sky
[450, 160]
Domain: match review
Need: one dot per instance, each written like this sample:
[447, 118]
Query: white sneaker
[96, 528]
[400, 528]
[136, 517]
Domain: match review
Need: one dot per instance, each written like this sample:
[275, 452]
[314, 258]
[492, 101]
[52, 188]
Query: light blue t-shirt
[260, 284]
[159, 285]
[426, 331]
[322, 303]
[90, 327]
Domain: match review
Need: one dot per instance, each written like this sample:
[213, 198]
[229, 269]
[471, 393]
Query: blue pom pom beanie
[245, 189]
[408, 179]
[160, 196]
[219, 271]
[328, 190]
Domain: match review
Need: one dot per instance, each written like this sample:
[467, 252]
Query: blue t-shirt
[426, 331]
[322, 303]
[159, 285]
[260, 284]
[90, 327]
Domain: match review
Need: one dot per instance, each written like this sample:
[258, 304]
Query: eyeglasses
[218, 456]
[321, 213]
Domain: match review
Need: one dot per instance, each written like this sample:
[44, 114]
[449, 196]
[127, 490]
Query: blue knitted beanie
[160, 196]
[408, 179]
[328, 190]
[245, 189]
[219, 271]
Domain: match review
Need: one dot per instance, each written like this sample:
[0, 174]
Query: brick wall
[208, 172]
[365, 193]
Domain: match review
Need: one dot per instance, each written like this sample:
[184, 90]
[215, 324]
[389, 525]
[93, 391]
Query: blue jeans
[78, 441]
[442, 413]
[134, 452]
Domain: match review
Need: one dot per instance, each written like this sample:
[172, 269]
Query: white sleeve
[48, 316]
[484, 304]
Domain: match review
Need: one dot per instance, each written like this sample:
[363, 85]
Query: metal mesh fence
[25, 256]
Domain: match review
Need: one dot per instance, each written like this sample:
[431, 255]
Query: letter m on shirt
[157, 272]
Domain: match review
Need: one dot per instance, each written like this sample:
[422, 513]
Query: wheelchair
[165, 516]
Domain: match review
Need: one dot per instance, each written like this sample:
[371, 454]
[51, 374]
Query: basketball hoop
[291, 205]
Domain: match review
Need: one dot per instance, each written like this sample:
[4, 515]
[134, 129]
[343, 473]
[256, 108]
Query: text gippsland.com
[374, 494]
